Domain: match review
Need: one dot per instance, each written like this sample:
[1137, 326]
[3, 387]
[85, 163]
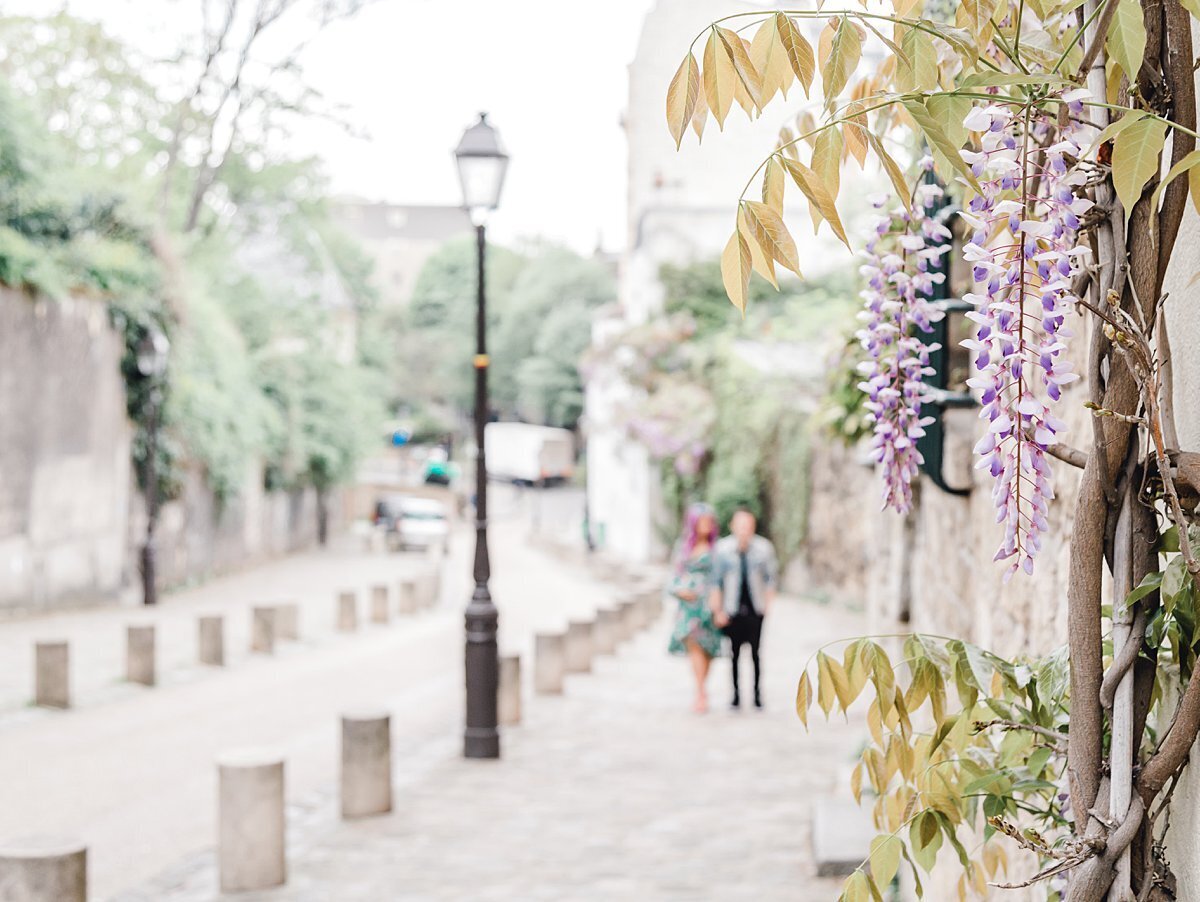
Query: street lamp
[481, 166]
[151, 352]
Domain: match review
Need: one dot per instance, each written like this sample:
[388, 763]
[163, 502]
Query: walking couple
[725, 587]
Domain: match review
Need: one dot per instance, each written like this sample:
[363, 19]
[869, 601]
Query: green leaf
[925, 838]
[945, 151]
[844, 54]
[1169, 540]
[1113, 129]
[1192, 6]
[858, 888]
[1135, 159]
[826, 693]
[916, 69]
[1150, 582]
[1174, 579]
[1127, 37]
[885, 859]
[1011, 79]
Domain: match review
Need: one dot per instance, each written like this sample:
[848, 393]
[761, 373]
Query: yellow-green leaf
[1113, 129]
[735, 269]
[769, 57]
[854, 129]
[799, 51]
[841, 47]
[1192, 6]
[761, 264]
[945, 151]
[681, 98]
[885, 858]
[772, 235]
[739, 56]
[803, 698]
[817, 195]
[891, 167]
[1189, 165]
[1135, 159]
[1127, 37]
[827, 159]
[772, 186]
[858, 888]
[976, 17]
[917, 69]
[719, 78]
[826, 694]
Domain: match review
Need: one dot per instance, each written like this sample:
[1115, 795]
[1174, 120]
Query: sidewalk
[97, 635]
[614, 791]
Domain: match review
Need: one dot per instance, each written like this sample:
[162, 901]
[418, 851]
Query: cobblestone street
[612, 791]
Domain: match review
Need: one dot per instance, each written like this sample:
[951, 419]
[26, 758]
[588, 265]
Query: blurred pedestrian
[745, 576]
[695, 634]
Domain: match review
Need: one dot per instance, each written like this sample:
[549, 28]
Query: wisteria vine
[900, 271]
[1023, 254]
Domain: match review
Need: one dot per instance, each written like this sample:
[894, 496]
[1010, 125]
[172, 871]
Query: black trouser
[745, 628]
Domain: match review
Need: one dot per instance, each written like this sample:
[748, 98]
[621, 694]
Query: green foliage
[539, 325]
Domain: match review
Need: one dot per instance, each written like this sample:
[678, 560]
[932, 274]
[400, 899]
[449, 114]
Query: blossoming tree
[1065, 131]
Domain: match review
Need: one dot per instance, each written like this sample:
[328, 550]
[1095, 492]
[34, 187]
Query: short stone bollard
[606, 632]
[408, 596]
[435, 586]
[548, 663]
[262, 630]
[250, 821]
[380, 612]
[509, 700]
[629, 618]
[43, 870]
[347, 612]
[578, 651]
[139, 655]
[648, 605]
[287, 621]
[212, 640]
[366, 764]
[52, 675]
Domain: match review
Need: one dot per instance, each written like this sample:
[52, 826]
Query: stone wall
[64, 452]
[71, 520]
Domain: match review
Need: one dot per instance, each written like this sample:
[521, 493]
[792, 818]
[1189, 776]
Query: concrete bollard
[627, 609]
[548, 663]
[578, 651]
[408, 596]
[212, 640]
[52, 675]
[262, 630]
[250, 821]
[380, 612]
[606, 632]
[43, 870]
[287, 621]
[509, 701]
[366, 764]
[139, 655]
[347, 612]
[435, 586]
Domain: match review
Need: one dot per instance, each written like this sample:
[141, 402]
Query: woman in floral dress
[695, 634]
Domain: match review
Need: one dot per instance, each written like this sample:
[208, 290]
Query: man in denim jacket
[745, 578]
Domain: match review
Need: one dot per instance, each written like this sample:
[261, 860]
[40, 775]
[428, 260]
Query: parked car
[410, 522]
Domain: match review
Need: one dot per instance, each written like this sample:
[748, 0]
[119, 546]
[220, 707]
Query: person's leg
[735, 640]
[755, 638]
[700, 671]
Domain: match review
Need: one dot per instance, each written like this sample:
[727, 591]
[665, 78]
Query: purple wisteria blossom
[903, 249]
[1023, 253]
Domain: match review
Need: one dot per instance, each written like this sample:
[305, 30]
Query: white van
[529, 455]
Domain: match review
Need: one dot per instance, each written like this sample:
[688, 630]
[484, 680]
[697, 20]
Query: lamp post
[152, 350]
[481, 166]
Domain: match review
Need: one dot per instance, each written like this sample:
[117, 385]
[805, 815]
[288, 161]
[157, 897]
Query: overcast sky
[414, 73]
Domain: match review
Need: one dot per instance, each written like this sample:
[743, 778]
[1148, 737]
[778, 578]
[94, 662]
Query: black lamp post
[481, 166]
[152, 350]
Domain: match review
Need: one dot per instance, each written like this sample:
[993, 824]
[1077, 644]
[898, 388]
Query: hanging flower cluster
[900, 269]
[1023, 253]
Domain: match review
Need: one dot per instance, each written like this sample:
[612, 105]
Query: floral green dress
[694, 620]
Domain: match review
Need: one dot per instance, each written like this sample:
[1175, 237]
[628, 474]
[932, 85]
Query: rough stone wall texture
[64, 452]
[71, 520]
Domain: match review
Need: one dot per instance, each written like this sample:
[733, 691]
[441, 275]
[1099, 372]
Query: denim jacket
[761, 568]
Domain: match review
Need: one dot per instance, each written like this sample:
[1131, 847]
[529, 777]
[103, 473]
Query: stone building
[681, 206]
[399, 238]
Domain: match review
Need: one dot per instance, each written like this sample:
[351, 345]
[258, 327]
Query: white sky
[414, 73]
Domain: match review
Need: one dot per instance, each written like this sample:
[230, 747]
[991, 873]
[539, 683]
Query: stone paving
[612, 791]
